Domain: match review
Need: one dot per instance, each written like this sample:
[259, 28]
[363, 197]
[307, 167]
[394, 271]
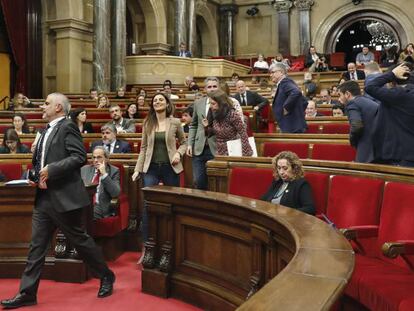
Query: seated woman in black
[290, 187]
[78, 116]
[11, 143]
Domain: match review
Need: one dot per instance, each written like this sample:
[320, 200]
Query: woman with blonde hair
[103, 101]
[290, 188]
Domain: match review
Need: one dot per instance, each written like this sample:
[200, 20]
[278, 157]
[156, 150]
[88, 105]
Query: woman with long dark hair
[159, 159]
[78, 116]
[20, 124]
[12, 144]
[131, 112]
[226, 124]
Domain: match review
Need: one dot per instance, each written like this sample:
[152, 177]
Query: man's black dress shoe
[20, 300]
[107, 285]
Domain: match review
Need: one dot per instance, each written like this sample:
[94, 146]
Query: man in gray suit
[106, 177]
[200, 147]
[60, 197]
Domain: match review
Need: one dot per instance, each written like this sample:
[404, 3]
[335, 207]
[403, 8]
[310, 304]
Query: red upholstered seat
[28, 144]
[406, 305]
[96, 127]
[335, 128]
[104, 115]
[270, 149]
[319, 183]
[250, 182]
[326, 112]
[337, 60]
[313, 128]
[4, 127]
[333, 152]
[138, 128]
[11, 170]
[354, 201]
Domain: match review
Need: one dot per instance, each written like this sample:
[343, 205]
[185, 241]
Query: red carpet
[78, 297]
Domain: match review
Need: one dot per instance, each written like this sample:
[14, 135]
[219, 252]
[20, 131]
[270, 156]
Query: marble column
[304, 7]
[101, 45]
[192, 30]
[227, 13]
[283, 7]
[180, 23]
[118, 44]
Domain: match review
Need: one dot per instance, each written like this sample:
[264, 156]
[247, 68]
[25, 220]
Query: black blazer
[298, 195]
[87, 128]
[64, 156]
[360, 75]
[253, 99]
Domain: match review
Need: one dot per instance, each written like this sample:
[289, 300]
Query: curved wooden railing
[215, 250]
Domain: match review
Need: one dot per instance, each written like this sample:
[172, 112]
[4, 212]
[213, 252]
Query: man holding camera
[394, 133]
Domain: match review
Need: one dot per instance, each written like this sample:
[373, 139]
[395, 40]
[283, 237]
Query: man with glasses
[200, 147]
[288, 104]
[110, 142]
[106, 177]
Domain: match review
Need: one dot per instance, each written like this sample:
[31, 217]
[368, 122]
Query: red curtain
[14, 12]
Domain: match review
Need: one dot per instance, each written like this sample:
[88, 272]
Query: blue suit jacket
[289, 96]
[362, 113]
[120, 146]
[187, 53]
[394, 133]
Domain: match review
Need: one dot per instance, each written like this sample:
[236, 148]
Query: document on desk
[234, 147]
[17, 182]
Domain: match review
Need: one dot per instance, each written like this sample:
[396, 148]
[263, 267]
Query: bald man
[249, 98]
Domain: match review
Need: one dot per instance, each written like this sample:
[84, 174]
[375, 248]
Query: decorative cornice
[303, 5]
[282, 6]
[224, 8]
[70, 23]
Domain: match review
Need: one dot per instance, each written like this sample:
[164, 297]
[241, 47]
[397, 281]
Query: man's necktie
[95, 181]
[108, 147]
[39, 152]
[244, 100]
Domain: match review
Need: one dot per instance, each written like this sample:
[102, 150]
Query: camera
[33, 176]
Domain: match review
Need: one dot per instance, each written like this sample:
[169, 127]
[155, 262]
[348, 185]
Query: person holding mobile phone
[106, 177]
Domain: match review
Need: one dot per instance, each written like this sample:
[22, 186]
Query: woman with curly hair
[103, 101]
[290, 188]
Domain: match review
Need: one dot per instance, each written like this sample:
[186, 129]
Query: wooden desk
[213, 250]
[16, 205]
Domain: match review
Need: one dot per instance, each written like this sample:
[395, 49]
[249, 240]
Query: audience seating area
[371, 204]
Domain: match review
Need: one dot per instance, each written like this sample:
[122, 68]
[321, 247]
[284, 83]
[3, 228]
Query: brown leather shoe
[107, 285]
[20, 300]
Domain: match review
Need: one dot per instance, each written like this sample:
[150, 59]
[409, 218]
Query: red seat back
[250, 182]
[333, 152]
[319, 183]
[313, 128]
[397, 218]
[354, 201]
[11, 170]
[339, 128]
[270, 149]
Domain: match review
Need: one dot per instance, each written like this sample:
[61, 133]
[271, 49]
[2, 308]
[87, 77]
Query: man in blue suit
[183, 52]
[394, 134]
[289, 104]
[362, 113]
[110, 142]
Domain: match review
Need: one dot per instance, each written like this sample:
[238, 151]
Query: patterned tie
[39, 151]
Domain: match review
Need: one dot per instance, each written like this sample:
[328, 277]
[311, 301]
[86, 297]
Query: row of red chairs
[379, 212]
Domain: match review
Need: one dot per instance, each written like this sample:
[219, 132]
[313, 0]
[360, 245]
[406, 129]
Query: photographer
[320, 65]
[394, 133]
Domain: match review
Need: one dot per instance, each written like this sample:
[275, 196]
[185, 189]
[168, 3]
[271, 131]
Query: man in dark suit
[249, 98]
[183, 52]
[110, 142]
[394, 132]
[57, 160]
[362, 113]
[326, 98]
[353, 73]
[311, 57]
[122, 125]
[288, 104]
[311, 110]
[106, 177]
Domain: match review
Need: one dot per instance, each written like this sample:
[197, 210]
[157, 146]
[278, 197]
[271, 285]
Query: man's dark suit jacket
[253, 99]
[289, 96]
[298, 195]
[362, 113]
[64, 156]
[360, 75]
[120, 146]
[394, 133]
[309, 60]
[110, 188]
[187, 53]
